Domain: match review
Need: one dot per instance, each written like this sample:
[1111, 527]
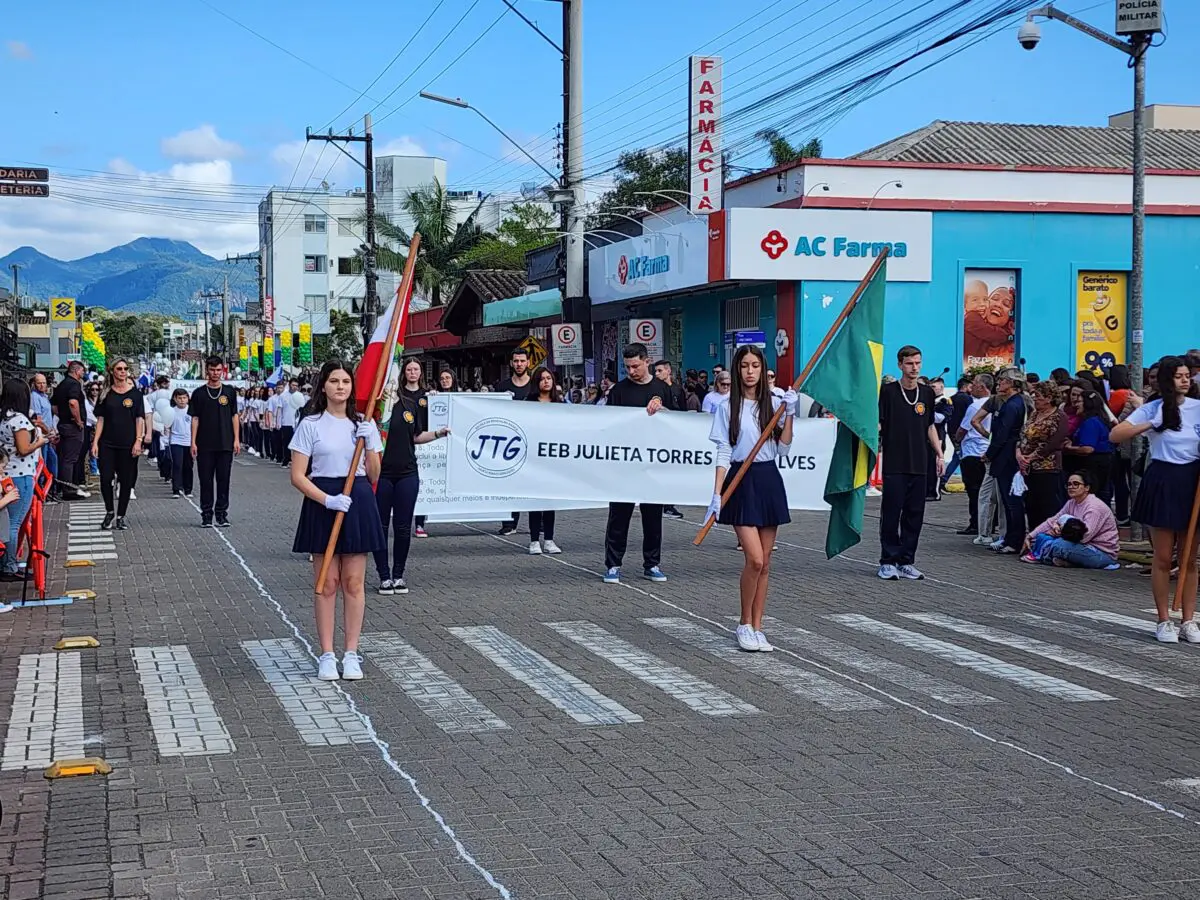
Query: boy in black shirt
[642, 390]
[215, 441]
[906, 434]
[519, 384]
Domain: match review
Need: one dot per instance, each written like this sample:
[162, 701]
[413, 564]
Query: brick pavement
[844, 766]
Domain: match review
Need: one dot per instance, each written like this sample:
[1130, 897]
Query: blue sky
[179, 92]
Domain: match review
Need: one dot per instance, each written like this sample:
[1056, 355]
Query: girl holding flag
[759, 504]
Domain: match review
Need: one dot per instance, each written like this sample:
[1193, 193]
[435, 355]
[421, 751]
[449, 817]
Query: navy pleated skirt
[361, 531]
[1165, 497]
[760, 499]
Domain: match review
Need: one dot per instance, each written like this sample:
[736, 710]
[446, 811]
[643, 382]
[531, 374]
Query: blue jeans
[50, 454]
[16, 516]
[1081, 556]
[396, 499]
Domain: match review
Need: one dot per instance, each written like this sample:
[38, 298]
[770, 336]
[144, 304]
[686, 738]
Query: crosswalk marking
[701, 696]
[1190, 786]
[970, 659]
[321, 715]
[1111, 618]
[799, 682]
[1062, 655]
[46, 722]
[576, 698]
[433, 691]
[1123, 643]
[182, 714]
[911, 679]
[85, 540]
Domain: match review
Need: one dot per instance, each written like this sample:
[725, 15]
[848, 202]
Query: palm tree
[444, 240]
[783, 151]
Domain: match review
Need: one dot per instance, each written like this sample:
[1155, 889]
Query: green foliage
[530, 226]
[784, 151]
[131, 335]
[643, 171]
[444, 244]
[343, 341]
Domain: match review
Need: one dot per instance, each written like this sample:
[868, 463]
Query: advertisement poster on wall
[1100, 324]
[989, 318]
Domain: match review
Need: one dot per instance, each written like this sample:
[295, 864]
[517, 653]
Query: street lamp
[886, 184]
[823, 185]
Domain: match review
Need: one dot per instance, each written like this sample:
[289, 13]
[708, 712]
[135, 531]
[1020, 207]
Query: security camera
[1029, 34]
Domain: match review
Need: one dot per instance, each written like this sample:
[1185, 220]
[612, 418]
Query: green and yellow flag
[846, 382]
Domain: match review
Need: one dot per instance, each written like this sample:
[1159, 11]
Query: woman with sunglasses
[117, 444]
[88, 463]
[1101, 540]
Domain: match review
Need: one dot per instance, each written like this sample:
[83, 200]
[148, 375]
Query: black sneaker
[400, 586]
[507, 529]
[222, 521]
[120, 524]
[109, 518]
[672, 513]
[206, 523]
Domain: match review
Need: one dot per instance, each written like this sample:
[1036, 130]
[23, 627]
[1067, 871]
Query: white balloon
[162, 404]
[297, 399]
[168, 417]
[158, 423]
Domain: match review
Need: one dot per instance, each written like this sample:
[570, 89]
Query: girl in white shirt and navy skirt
[759, 504]
[326, 436]
[1164, 501]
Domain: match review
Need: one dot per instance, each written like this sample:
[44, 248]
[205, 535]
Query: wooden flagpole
[404, 293]
[1187, 564]
[797, 384]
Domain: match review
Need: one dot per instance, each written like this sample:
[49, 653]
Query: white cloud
[196, 202]
[199, 143]
[401, 146]
[19, 50]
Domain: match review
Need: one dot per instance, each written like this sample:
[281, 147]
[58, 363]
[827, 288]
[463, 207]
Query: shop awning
[526, 308]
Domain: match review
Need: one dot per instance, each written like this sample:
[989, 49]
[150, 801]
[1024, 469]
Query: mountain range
[148, 275]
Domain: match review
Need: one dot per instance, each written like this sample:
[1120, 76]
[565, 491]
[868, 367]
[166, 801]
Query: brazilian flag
[846, 382]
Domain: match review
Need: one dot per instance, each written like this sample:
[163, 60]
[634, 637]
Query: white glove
[338, 502]
[790, 398]
[364, 430]
[714, 508]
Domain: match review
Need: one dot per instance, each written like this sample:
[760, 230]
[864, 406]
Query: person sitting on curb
[1099, 543]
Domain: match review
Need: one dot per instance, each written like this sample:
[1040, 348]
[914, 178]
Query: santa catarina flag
[846, 382]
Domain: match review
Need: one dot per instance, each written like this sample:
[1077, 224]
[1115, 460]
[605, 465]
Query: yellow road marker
[77, 643]
[68, 768]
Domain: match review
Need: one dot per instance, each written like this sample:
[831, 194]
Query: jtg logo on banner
[496, 448]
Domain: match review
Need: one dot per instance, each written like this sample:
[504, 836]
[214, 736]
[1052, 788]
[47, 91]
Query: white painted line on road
[1125, 643]
[46, 721]
[970, 659]
[1111, 618]
[701, 696]
[576, 698]
[434, 692]
[1061, 655]
[1189, 786]
[317, 709]
[182, 714]
[910, 679]
[804, 684]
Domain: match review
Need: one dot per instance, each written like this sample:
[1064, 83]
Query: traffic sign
[537, 353]
[567, 340]
[21, 173]
[650, 333]
[21, 189]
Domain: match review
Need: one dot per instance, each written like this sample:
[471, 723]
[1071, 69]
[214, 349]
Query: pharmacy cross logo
[623, 268]
[774, 244]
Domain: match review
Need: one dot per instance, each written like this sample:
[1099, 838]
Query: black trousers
[285, 438]
[70, 448]
[181, 469]
[973, 473]
[541, 525]
[214, 465]
[118, 462]
[1015, 508]
[616, 535]
[901, 515]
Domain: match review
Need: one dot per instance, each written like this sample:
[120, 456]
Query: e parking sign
[567, 340]
[650, 333]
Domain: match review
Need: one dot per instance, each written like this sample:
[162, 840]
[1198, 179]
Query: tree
[639, 172]
[444, 240]
[343, 341]
[129, 335]
[529, 226]
[784, 151]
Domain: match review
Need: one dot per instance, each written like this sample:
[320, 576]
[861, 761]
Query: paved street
[997, 731]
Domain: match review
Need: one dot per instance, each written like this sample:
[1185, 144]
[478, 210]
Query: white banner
[490, 505]
[599, 454]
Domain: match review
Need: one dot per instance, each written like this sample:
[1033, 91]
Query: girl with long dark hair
[759, 505]
[413, 397]
[120, 436]
[20, 440]
[1164, 501]
[541, 524]
[447, 383]
[327, 436]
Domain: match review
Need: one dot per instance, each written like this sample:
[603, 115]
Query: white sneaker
[387, 587]
[1166, 633]
[351, 666]
[984, 540]
[889, 572]
[550, 547]
[535, 549]
[746, 638]
[132, 494]
[327, 669]
[6, 607]
[1190, 632]
[911, 572]
[764, 645]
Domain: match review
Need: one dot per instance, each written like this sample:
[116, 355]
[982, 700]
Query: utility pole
[16, 269]
[260, 273]
[573, 149]
[371, 305]
[206, 298]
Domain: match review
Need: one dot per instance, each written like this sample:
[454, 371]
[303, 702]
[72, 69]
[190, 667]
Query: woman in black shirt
[412, 397]
[120, 430]
[541, 524]
[399, 483]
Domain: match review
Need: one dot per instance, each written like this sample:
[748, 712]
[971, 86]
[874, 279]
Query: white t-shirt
[287, 412]
[712, 400]
[748, 432]
[329, 443]
[1181, 446]
[18, 465]
[181, 428]
[975, 444]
